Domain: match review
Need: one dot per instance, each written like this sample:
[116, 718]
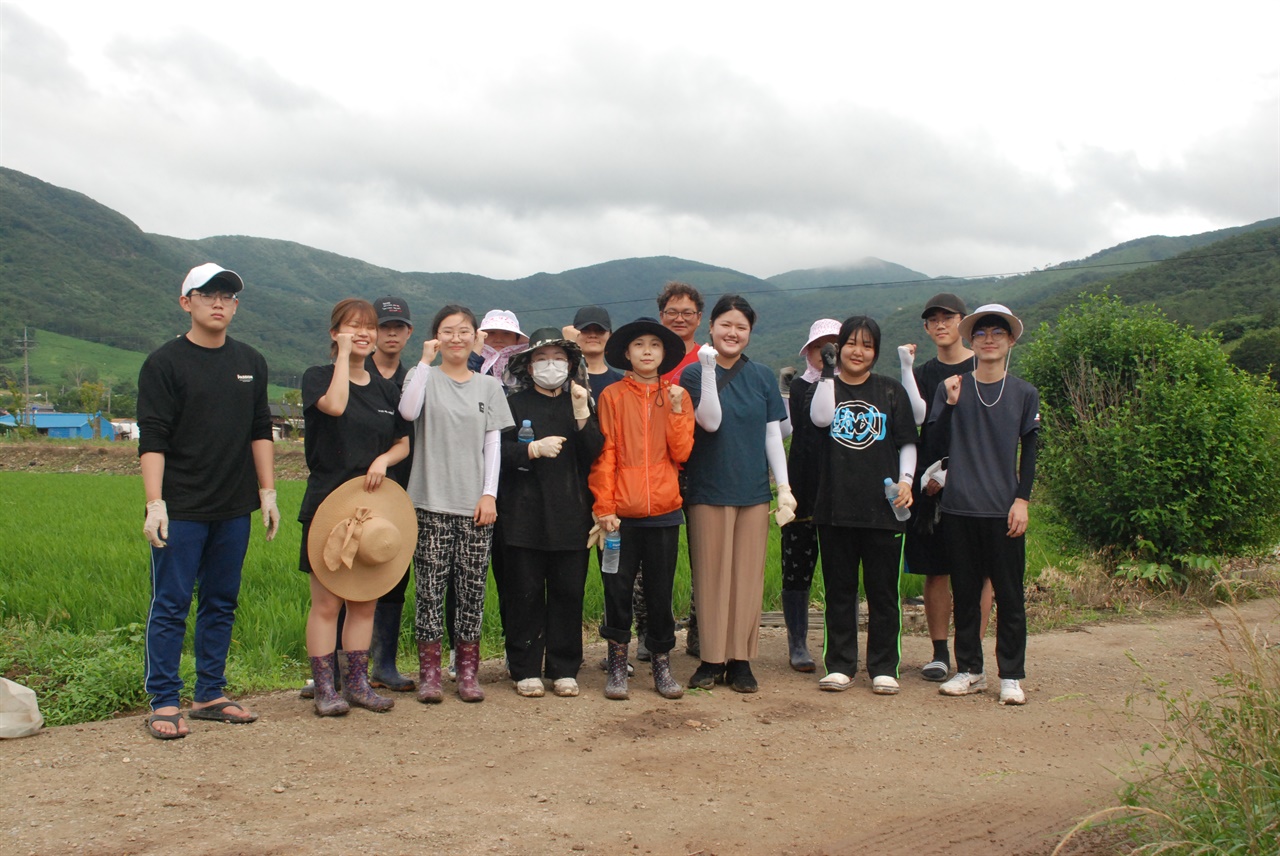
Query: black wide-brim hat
[545, 337]
[615, 350]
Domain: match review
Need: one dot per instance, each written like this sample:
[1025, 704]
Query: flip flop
[217, 713]
[172, 718]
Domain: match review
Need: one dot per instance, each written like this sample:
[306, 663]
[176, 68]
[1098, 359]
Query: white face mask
[550, 374]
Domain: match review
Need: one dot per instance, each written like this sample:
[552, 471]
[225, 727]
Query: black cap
[593, 316]
[392, 309]
[947, 302]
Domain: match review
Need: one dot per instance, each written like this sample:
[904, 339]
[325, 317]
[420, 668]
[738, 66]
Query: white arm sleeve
[415, 392]
[918, 405]
[907, 463]
[786, 427]
[492, 462]
[774, 453]
[708, 411]
[823, 407]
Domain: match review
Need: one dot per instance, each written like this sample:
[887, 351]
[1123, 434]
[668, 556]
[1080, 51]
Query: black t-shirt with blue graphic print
[860, 450]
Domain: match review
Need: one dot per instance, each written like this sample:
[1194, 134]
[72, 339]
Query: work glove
[581, 401]
[707, 358]
[595, 538]
[270, 512]
[786, 505]
[157, 526]
[785, 377]
[545, 447]
[828, 360]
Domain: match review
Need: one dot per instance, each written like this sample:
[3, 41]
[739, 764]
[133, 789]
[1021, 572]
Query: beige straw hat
[360, 543]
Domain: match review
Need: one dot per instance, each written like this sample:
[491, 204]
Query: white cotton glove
[157, 526]
[707, 358]
[545, 447]
[786, 505]
[935, 472]
[595, 538]
[581, 401]
[270, 512]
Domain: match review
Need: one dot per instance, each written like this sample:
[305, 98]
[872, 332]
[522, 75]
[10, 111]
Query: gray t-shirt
[982, 473]
[448, 456]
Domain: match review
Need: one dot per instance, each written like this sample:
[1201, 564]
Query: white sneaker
[963, 683]
[566, 687]
[884, 685]
[835, 682]
[530, 687]
[1011, 692]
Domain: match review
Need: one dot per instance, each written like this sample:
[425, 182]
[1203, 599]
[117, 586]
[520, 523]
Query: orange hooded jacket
[637, 473]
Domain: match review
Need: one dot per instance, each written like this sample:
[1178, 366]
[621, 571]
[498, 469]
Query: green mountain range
[71, 266]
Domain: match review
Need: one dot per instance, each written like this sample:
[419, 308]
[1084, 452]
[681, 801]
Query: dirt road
[790, 770]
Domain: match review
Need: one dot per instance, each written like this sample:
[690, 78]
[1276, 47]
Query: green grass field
[76, 566]
[55, 353]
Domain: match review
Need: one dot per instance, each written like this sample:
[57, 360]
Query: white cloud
[506, 139]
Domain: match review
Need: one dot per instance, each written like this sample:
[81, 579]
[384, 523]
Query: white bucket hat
[503, 319]
[818, 329]
[970, 321]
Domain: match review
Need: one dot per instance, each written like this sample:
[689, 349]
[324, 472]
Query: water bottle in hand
[525, 434]
[612, 550]
[891, 493]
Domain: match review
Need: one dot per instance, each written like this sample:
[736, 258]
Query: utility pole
[26, 343]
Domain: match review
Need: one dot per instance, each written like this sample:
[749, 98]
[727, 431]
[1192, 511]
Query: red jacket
[637, 473]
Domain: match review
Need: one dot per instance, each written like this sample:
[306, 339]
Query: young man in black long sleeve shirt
[981, 420]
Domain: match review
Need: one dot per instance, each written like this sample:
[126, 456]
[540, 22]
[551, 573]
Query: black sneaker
[738, 676]
[707, 676]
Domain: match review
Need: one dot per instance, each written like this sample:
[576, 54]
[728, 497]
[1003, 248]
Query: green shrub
[1155, 449]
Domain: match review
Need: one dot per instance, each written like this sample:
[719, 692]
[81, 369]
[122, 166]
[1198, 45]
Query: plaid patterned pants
[452, 548]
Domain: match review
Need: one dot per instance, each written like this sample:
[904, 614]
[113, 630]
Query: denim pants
[204, 558]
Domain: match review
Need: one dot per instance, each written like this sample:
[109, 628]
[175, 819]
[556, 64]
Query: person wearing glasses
[924, 552]
[680, 311]
[987, 423]
[207, 463]
[458, 416]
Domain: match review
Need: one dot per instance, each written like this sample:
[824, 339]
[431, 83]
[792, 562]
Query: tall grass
[75, 562]
[1210, 781]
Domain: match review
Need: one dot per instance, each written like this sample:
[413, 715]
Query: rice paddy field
[75, 565]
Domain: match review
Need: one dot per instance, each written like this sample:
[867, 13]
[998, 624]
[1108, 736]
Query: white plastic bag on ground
[19, 712]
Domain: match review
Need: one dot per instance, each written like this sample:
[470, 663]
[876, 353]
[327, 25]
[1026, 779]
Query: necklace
[978, 389]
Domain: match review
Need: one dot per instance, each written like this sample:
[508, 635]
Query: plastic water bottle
[525, 434]
[891, 493]
[612, 550]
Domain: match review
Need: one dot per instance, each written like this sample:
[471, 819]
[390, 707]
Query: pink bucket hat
[821, 327]
[503, 319]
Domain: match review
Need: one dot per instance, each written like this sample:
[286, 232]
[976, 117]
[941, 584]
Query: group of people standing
[528, 452]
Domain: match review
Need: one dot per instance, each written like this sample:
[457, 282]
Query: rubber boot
[616, 687]
[795, 612]
[354, 668]
[429, 691]
[468, 666]
[327, 700]
[308, 691]
[383, 648]
[691, 644]
[662, 680]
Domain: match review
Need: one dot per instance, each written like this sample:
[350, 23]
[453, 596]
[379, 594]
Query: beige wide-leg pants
[727, 547]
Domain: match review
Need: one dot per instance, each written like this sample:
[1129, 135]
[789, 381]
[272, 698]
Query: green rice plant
[1210, 781]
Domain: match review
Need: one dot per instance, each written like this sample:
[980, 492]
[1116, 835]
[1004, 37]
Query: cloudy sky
[509, 138]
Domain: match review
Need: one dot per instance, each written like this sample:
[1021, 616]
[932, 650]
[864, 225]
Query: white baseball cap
[202, 275]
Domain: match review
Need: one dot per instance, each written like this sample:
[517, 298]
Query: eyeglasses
[997, 334]
[941, 320]
[686, 314]
[208, 299]
[462, 334]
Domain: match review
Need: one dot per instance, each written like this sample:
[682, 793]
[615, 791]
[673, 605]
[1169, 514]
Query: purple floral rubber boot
[327, 700]
[468, 666]
[354, 668]
[429, 691]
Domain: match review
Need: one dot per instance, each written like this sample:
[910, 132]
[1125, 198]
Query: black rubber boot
[383, 648]
[795, 611]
